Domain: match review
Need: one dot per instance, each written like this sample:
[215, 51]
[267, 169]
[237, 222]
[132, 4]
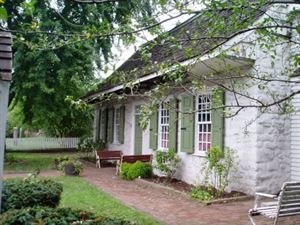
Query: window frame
[160, 124]
[198, 123]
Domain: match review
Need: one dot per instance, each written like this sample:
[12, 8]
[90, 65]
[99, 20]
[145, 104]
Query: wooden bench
[133, 159]
[107, 155]
[287, 203]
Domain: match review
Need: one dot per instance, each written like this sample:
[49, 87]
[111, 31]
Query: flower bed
[180, 187]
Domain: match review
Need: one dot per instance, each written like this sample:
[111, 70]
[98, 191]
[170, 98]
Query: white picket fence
[41, 143]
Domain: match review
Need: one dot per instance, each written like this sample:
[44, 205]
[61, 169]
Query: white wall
[191, 164]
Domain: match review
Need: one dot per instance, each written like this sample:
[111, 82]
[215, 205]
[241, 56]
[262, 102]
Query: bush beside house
[136, 170]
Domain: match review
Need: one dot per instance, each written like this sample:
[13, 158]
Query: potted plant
[59, 160]
[71, 167]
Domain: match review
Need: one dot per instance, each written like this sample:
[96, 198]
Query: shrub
[59, 160]
[50, 216]
[218, 167]
[124, 170]
[167, 162]
[201, 194]
[88, 145]
[75, 167]
[135, 170]
[29, 193]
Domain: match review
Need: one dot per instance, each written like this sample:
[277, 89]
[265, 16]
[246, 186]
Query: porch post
[5, 78]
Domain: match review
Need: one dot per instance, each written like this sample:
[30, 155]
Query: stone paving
[168, 208]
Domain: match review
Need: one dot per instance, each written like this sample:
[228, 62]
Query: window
[203, 123]
[117, 125]
[164, 117]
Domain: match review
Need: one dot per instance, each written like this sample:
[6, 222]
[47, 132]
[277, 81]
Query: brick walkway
[173, 209]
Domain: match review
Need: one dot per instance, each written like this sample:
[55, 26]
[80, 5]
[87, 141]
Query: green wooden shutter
[173, 124]
[153, 130]
[104, 128]
[122, 124]
[99, 125]
[187, 124]
[96, 124]
[110, 125]
[218, 100]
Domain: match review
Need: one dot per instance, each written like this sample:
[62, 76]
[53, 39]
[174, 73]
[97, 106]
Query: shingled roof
[185, 41]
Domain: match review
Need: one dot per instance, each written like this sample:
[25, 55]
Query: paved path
[172, 209]
[50, 173]
[169, 208]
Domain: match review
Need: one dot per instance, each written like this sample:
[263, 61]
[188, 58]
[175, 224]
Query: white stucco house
[268, 153]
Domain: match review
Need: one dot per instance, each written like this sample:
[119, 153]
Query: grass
[79, 194]
[28, 162]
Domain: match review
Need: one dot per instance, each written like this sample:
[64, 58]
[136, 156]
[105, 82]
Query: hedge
[135, 170]
[19, 194]
[53, 216]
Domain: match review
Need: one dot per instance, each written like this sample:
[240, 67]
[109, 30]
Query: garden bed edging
[171, 190]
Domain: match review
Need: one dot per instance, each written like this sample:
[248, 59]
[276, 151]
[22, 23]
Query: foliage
[218, 167]
[167, 162]
[30, 192]
[80, 194]
[60, 159]
[88, 145]
[58, 48]
[136, 170]
[3, 12]
[201, 194]
[74, 163]
[50, 216]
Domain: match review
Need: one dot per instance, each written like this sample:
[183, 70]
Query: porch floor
[174, 209]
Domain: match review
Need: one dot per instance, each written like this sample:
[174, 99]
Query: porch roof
[202, 67]
[191, 34]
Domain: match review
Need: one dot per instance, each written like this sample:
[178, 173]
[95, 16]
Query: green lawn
[79, 194]
[27, 162]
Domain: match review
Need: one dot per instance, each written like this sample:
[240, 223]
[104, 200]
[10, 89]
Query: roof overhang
[202, 66]
[5, 56]
[221, 64]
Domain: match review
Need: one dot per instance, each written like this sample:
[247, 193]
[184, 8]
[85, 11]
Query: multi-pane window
[164, 117]
[117, 124]
[203, 123]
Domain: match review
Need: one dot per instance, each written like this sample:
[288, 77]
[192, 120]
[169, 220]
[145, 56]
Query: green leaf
[298, 29]
[3, 14]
